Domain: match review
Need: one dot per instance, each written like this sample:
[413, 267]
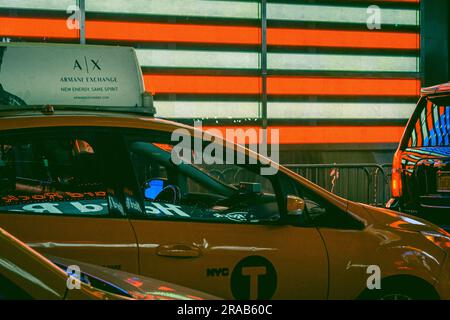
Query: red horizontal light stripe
[202, 84]
[281, 85]
[413, 1]
[163, 32]
[409, 1]
[346, 39]
[36, 28]
[343, 86]
[329, 134]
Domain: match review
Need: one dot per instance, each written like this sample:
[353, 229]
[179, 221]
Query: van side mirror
[295, 206]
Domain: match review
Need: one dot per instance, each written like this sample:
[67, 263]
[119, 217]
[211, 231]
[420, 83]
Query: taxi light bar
[72, 77]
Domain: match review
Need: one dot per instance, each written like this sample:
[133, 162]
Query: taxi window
[431, 128]
[200, 192]
[59, 176]
[233, 175]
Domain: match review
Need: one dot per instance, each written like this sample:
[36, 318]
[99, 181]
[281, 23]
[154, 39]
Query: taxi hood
[399, 220]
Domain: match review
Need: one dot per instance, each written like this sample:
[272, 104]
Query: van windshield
[431, 127]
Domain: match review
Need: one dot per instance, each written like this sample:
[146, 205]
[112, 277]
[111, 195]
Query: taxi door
[57, 197]
[235, 261]
[186, 237]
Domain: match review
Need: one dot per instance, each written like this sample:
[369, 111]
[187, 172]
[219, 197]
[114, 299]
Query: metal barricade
[362, 182]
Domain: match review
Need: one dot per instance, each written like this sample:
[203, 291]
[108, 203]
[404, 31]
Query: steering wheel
[170, 194]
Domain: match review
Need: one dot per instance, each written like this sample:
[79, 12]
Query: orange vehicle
[26, 274]
[420, 181]
[104, 187]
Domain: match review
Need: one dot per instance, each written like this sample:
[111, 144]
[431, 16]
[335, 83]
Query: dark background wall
[434, 41]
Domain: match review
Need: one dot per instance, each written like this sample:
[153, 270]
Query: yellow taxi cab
[104, 187]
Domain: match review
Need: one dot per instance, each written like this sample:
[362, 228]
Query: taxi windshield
[188, 187]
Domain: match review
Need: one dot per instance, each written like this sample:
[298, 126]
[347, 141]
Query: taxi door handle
[178, 251]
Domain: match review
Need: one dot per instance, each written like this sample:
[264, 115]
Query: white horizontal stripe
[196, 8]
[245, 249]
[225, 9]
[306, 12]
[280, 61]
[80, 245]
[149, 245]
[342, 62]
[206, 109]
[327, 110]
[37, 4]
[283, 110]
[197, 59]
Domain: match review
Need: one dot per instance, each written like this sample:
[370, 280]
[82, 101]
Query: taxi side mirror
[295, 206]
